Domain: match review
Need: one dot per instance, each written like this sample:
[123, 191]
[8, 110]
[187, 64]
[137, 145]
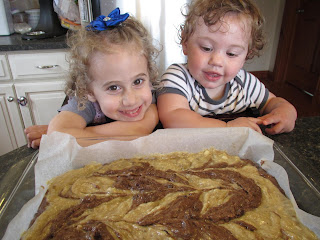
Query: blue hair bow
[113, 19]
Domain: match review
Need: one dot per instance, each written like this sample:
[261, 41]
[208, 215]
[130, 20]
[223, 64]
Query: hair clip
[102, 22]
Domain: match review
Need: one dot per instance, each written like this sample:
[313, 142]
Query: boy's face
[120, 84]
[217, 53]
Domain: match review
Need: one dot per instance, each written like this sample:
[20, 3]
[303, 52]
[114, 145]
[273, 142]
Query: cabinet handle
[10, 99]
[22, 101]
[300, 11]
[47, 66]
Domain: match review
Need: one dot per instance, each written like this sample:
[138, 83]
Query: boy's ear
[185, 47]
[91, 97]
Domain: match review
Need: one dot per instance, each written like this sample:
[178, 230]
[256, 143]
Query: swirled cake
[205, 195]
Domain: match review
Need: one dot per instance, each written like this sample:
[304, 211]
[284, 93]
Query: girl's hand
[252, 123]
[34, 134]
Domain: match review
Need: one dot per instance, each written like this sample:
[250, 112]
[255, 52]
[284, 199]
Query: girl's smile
[120, 83]
[132, 113]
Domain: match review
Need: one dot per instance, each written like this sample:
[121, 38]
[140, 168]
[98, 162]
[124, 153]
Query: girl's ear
[91, 97]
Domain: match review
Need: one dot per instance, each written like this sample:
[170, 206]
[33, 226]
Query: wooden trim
[287, 33]
[263, 75]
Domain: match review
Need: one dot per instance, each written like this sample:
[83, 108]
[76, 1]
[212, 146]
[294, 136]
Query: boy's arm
[279, 114]
[174, 112]
[75, 125]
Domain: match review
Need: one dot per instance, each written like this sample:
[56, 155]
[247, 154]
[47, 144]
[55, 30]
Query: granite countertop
[300, 148]
[14, 42]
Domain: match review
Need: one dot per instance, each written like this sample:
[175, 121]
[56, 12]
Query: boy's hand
[280, 121]
[34, 134]
[250, 122]
[280, 116]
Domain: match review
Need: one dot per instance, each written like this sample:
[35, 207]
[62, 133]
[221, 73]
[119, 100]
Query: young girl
[112, 70]
[218, 36]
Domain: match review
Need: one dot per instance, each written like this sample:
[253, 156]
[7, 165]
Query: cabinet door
[4, 68]
[11, 134]
[39, 101]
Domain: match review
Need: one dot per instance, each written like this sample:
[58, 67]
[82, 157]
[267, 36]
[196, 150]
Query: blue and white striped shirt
[243, 92]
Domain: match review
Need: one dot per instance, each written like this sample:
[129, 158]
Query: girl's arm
[174, 112]
[75, 125]
[279, 114]
[34, 134]
[136, 128]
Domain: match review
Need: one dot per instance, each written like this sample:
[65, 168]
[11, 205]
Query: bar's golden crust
[206, 195]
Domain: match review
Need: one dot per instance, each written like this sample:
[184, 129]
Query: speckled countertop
[302, 147]
[14, 42]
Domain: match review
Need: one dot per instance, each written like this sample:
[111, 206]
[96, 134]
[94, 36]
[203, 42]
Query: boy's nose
[216, 59]
[129, 98]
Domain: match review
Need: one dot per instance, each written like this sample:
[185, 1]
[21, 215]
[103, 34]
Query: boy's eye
[113, 88]
[231, 54]
[138, 82]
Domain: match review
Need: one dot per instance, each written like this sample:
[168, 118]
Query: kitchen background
[162, 23]
[32, 71]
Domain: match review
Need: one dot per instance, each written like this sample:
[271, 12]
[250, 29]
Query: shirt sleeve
[174, 80]
[88, 113]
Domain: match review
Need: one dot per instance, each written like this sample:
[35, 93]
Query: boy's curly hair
[84, 43]
[212, 11]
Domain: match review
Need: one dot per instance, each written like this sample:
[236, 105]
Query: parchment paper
[60, 152]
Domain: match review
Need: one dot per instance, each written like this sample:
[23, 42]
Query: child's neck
[216, 93]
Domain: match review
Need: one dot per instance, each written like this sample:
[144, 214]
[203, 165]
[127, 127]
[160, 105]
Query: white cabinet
[31, 91]
[11, 133]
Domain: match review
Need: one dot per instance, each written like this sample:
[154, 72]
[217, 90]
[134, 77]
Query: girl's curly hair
[84, 43]
[212, 12]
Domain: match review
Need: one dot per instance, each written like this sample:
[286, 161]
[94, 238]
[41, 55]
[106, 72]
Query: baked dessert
[205, 195]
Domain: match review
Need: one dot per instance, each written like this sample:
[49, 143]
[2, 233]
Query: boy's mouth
[212, 76]
[132, 113]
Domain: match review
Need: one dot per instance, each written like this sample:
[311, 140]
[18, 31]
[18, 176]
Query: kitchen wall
[271, 9]
[273, 12]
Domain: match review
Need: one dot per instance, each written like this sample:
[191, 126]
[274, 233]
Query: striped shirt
[243, 92]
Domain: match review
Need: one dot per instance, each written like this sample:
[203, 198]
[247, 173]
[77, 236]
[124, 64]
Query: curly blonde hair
[212, 12]
[84, 43]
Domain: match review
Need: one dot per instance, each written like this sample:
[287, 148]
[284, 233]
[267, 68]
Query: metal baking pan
[305, 193]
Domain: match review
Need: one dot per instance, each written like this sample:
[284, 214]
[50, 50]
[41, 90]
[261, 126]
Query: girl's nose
[216, 59]
[129, 98]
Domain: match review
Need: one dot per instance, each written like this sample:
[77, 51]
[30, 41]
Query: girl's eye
[138, 82]
[113, 88]
[206, 49]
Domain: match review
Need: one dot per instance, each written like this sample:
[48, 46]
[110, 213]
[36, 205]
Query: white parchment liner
[60, 152]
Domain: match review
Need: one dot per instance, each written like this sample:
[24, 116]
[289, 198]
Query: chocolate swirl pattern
[206, 195]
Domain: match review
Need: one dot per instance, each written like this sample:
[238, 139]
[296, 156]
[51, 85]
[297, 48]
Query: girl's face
[217, 53]
[120, 84]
